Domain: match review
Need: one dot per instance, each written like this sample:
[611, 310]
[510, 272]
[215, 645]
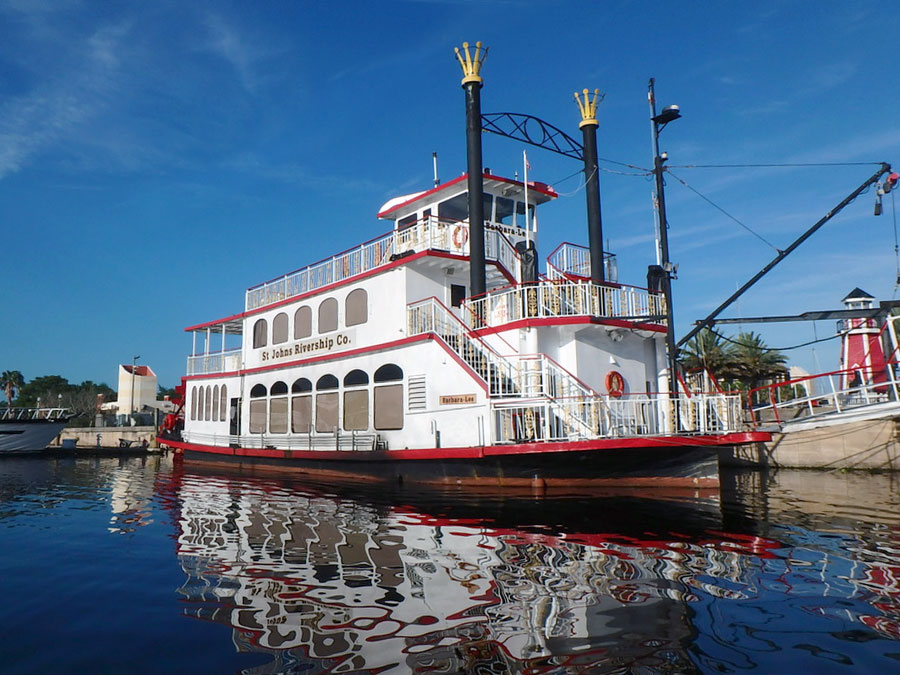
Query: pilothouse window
[454, 209]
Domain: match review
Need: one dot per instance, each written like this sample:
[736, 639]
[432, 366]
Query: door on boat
[234, 417]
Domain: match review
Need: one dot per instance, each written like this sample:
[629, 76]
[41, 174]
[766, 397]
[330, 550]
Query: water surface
[139, 565]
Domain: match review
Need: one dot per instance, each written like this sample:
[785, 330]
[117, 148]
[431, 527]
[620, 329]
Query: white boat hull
[28, 435]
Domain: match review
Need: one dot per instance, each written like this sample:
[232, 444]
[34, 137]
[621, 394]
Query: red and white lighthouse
[862, 355]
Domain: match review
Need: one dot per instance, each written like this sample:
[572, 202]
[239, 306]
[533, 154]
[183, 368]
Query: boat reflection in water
[327, 583]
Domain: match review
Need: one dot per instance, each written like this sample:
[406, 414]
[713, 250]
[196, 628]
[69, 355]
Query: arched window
[356, 310]
[278, 409]
[301, 385]
[258, 409]
[328, 315]
[326, 404]
[388, 398]
[356, 378]
[301, 406]
[356, 401]
[215, 404]
[223, 405]
[201, 405]
[280, 329]
[260, 328]
[193, 403]
[303, 323]
[389, 372]
[326, 382]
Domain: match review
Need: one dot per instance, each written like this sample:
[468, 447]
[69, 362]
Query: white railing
[570, 260]
[427, 234]
[564, 298]
[24, 414]
[606, 417]
[343, 441]
[430, 316]
[214, 362]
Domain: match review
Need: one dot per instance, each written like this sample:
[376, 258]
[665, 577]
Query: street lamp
[662, 273]
[133, 362]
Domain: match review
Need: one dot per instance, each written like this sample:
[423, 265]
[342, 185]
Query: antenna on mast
[437, 181]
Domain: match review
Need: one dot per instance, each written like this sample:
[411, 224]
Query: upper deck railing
[426, 234]
[571, 260]
[548, 299]
[214, 362]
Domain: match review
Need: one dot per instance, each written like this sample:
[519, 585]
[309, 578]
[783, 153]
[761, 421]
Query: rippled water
[136, 565]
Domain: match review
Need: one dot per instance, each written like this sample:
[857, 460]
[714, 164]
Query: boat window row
[209, 403]
[356, 311]
[330, 404]
[496, 209]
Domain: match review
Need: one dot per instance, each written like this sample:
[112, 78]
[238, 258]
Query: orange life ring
[460, 236]
[615, 383]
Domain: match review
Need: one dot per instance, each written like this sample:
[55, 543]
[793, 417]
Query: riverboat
[437, 353]
[30, 429]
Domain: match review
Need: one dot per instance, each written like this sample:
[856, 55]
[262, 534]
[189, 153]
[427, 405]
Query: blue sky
[156, 159]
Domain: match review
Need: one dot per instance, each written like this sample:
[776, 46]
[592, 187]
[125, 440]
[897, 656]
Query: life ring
[615, 383]
[460, 236]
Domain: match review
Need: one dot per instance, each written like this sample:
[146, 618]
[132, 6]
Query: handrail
[428, 233]
[546, 299]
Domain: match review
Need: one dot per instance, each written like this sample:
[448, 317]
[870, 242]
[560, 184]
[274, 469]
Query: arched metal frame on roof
[534, 131]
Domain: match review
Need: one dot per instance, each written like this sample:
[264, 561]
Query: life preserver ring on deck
[615, 383]
[460, 236]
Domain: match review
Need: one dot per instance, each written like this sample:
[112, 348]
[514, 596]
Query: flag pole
[527, 223]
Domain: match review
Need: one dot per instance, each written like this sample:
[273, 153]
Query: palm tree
[11, 381]
[707, 351]
[754, 362]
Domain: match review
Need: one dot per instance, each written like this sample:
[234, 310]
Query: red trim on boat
[563, 320]
[477, 452]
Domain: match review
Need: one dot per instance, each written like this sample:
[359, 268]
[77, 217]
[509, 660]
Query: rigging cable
[716, 206]
[777, 349]
[896, 245]
[757, 166]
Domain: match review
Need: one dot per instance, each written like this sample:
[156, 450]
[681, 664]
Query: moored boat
[436, 353]
[30, 429]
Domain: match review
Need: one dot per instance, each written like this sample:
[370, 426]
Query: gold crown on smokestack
[471, 66]
[588, 108]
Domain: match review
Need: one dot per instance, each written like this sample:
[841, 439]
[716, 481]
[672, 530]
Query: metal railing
[547, 299]
[430, 316]
[215, 362]
[426, 234]
[862, 387]
[606, 417]
[351, 441]
[26, 414]
[571, 260]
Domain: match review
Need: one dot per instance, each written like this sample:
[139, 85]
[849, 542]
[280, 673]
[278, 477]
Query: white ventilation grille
[416, 392]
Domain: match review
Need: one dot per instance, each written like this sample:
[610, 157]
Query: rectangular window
[487, 203]
[408, 221]
[454, 209]
[278, 415]
[389, 406]
[504, 210]
[258, 417]
[326, 412]
[356, 410]
[301, 414]
[457, 294]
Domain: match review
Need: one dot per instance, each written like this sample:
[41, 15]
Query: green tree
[708, 351]
[47, 388]
[12, 382]
[754, 362]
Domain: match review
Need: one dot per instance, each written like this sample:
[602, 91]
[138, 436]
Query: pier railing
[548, 299]
[426, 234]
[215, 362]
